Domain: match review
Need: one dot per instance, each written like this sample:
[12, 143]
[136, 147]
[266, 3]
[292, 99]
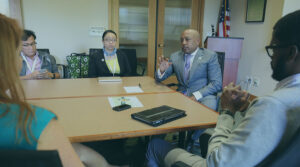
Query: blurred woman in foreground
[25, 126]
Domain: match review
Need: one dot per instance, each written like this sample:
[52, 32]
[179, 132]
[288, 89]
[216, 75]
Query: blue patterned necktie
[187, 66]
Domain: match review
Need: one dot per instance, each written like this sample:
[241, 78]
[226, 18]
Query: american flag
[224, 20]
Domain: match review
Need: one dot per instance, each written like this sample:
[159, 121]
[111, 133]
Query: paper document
[109, 79]
[131, 100]
[133, 89]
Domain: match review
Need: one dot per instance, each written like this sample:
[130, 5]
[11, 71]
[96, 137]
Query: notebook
[159, 115]
[109, 79]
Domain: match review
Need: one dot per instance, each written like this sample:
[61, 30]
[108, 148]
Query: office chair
[61, 67]
[44, 50]
[30, 158]
[131, 55]
[63, 71]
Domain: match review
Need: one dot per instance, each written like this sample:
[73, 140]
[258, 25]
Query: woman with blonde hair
[24, 126]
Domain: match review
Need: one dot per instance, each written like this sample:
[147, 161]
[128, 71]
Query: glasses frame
[274, 47]
[110, 40]
[29, 44]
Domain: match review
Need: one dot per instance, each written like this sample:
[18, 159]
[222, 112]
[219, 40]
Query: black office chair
[131, 55]
[63, 71]
[95, 51]
[30, 158]
[44, 50]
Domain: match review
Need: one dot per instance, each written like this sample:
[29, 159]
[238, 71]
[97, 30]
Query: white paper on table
[133, 89]
[131, 100]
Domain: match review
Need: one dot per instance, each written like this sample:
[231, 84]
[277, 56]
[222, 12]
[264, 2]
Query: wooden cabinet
[232, 47]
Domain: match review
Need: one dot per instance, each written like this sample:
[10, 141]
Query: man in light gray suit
[197, 70]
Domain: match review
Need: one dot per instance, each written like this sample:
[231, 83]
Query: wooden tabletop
[87, 87]
[92, 119]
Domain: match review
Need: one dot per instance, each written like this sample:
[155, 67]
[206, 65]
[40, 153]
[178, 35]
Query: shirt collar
[287, 81]
[194, 53]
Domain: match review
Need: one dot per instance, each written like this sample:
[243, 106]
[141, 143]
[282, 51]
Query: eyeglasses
[110, 40]
[270, 49]
[29, 44]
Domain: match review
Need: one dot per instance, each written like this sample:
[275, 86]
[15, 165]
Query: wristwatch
[226, 111]
[53, 76]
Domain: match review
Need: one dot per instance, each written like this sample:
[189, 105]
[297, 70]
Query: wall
[211, 14]
[4, 7]
[63, 26]
[254, 61]
[290, 6]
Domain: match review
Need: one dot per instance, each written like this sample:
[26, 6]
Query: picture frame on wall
[255, 10]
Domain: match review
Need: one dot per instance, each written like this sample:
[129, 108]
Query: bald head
[193, 32]
[190, 40]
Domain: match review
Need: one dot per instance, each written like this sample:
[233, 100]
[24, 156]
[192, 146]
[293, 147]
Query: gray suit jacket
[205, 74]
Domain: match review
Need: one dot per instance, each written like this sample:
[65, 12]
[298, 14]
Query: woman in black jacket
[109, 61]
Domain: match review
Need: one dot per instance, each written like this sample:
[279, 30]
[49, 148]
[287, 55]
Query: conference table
[88, 87]
[84, 111]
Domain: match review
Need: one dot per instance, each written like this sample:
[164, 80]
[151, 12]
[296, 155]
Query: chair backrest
[44, 50]
[221, 59]
[95, 51]
[30, 158]
[63, 71]
[289, 156]
[131, 55]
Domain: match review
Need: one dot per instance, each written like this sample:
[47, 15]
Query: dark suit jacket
[98, 67]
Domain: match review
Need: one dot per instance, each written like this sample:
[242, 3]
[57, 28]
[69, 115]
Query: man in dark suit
[197, 70]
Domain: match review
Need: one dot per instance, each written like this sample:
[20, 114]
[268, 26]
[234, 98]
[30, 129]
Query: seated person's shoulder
[207, 51]
[120, 52]
[95, 52]
[15, 109]
[287, 96]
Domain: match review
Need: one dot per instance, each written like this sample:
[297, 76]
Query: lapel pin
[102, 59]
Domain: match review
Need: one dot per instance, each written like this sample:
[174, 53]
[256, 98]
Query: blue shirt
[9, 121]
